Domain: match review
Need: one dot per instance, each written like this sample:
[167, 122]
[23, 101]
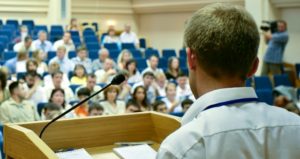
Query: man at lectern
[227, 121]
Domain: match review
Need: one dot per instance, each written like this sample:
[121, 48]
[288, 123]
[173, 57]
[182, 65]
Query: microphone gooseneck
[118, 79]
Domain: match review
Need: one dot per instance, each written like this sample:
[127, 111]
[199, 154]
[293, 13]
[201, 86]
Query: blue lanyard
[242, 100]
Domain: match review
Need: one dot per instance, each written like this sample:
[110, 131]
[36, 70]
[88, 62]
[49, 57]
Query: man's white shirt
[251, 130]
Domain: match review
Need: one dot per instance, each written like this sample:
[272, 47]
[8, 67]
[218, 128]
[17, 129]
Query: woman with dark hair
[173, 68]
[79, 75]
[4, 93]
[139, 96]
[110, 103]
[31, 65]
[134, 74]
[58, 97]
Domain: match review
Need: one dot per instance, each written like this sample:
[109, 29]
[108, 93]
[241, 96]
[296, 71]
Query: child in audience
[58, 97]
[83, 110]
[110, 104]
[50, 111]
[139, 97]
[80, 75]
[173, 68]
[95, 109]
[132, 107]
[185, 104]
[123, 58]
[134, 74]
[160, 106]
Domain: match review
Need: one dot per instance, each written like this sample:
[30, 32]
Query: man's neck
[16, 99]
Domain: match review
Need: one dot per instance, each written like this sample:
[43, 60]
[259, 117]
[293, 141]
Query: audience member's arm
[125, 91]
[267, 36]
[106, 75]
[32, 90]
[174, 105]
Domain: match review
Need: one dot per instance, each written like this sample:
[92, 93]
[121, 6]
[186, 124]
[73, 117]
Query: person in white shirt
[33, 88]
[111, 38]
[106, 74]
[82, 58]
[227, 121]
[183, 89]
[153, 63]
[25, 45]
[66, 41]
[172, 100]
[129, 36]
[66, 65]
[147, 82]
[42, 43]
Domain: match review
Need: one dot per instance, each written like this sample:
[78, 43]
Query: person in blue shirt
[273, 59]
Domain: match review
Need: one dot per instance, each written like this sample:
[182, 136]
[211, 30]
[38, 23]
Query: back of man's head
[13, 86]
[225, 40]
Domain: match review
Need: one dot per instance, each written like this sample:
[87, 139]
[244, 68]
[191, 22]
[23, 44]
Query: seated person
[172, 101]
[51, 111]
[54, 67]
[17, 64]
[95, 109]
[125, 87]
[160, 106]
[82, 59]
[42, 43]
[160, 84]
[39, 56]
[185, 104]
[58, 97]
[98, 63]
[153, 65]
[33, 88]
[66, 42]
[79, 75]
[139, 97]
[74, 26]
[111, 38]
[148, 83]
[123, 58]
[173, 68]
[106, 74]
[93, 87]
[83, 110]
[111, 105]
[134, 74]
[25, 45]
[132, 107]
[16, 109]
[183, 89]
[23, 34]
[66, 65]
[129, 36]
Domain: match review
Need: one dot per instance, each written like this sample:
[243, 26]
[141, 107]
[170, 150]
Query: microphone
[118, 79]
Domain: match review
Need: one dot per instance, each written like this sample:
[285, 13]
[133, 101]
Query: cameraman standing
[272, 63]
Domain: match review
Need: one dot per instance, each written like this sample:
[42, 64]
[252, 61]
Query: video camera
[269, 25]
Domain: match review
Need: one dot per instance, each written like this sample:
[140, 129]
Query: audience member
[110, 103]
[31, 66]
[129, 36]
[98, 63]
[66, 41]
[134, 74]
[74, 26]
[79, 75]
[16, 109]
[173, 68]
[106, 74]
[125, 87]
[33, 88]
[17, 64]
[25, 45]
[139, 97]
[273, 59]
[160, 106]
[153, 63]
[39, 56]
[82, 59]
[183, 89]
[23, 34]
[160, 84]
[95, 109]
[58, 97]
[42, 43]
[148, 79]
[83, 109]
[172, 101]
[111, 37]
[54, 67]
[57, 78]
[132, 107]
[4, 92]
[123, 58]
[93, 87]
[185, 104]
[286, 97]
[51, 111]
[66, 65]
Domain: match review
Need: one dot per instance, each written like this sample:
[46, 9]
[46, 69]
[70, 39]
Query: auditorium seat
[143, 43]
[40, 107]
[51, 54]
[92, 46]
[129, 46]
[88, 32]
[6, 32]
[38, 28]
[93, 54]
[262, 83]
[149, 52]
[265, 96]
[141, 64]
[114, 54]
[163, 63]
[74, 87]
[111, 46]
[136, 53]
[248, 82]
[167, 53]
[21, 75]
[282, 80]
[182, 53]
[91, 39]
[28, 23]
[183, 63]
[74, 34]
[297, 66]
[9, 55]
[72, 54]
[13, 22]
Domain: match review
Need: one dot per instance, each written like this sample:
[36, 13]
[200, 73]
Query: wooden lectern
[96, 134]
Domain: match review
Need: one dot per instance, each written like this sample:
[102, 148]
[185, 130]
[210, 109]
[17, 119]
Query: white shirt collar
[214, 97]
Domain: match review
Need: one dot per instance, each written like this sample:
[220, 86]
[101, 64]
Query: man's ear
[191, 59]
[253, 68]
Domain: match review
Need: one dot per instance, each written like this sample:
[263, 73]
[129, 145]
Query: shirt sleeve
[4, 114]
[165, 154]
[280, 37]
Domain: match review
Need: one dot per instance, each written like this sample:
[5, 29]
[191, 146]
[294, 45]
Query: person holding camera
[273, 59]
